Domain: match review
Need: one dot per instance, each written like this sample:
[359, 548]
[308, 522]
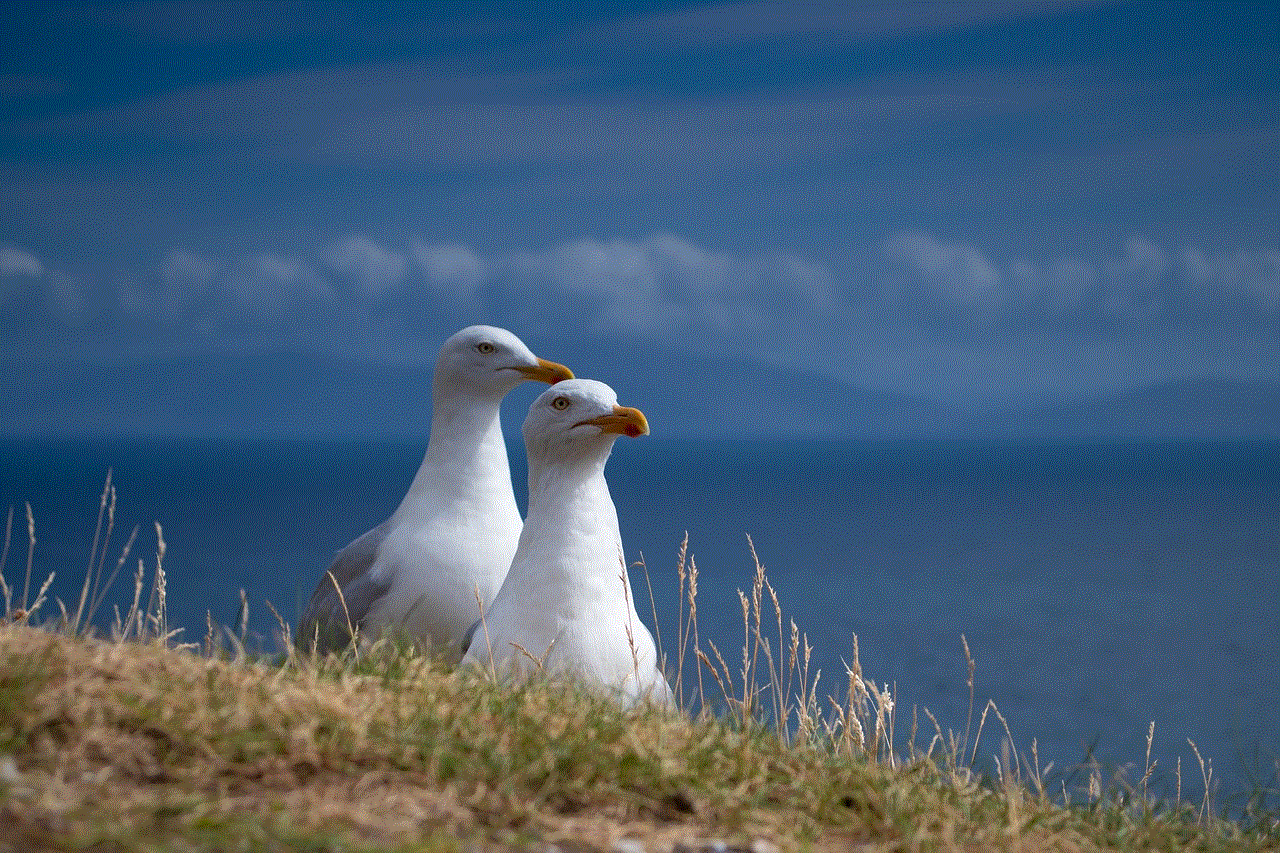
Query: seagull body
[566, 602]
[456, 530]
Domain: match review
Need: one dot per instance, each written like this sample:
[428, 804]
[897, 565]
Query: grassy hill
[136, 746]
[136, 742]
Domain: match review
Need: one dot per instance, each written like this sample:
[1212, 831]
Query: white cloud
[270, 287]
[181, 288]
[1142, 283]
[36, 291]
[1251, 278]
[1069, 284]
[374, 271]
[952, 274]
[451, 267]
[1195, 266]
[453, 277]
[946, 320]
[69, 299]
[667, 287]
[1138, 280]
[664, 287]
[185, 271]
[17, 262]
[1145, 263]
[606, 285]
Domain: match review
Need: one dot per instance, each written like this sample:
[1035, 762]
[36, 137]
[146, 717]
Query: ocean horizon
[1101, 586]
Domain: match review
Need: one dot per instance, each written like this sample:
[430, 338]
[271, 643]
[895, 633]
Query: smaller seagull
[453, 536]
[566, 606]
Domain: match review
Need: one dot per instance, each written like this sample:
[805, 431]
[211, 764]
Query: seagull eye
[560, 403]
[486, 348]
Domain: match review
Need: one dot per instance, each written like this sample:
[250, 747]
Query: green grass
[133, 741]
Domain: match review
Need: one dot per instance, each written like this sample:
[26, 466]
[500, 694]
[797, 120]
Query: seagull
[453, 536]
[566, 605]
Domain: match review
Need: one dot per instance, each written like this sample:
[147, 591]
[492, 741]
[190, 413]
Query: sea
[1101, 587]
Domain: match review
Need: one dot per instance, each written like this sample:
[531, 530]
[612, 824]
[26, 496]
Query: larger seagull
[456, 530]
[566, 606]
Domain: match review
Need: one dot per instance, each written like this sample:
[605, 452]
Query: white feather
[457, 528]
[566, 600]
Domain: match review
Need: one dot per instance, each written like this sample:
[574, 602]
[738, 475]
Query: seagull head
[488, 361]
[579, 417]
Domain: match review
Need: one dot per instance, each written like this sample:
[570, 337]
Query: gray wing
[328, 619]
[466, 638]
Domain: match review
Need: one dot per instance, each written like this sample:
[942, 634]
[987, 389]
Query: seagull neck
[466, 453]
[571, 538]
[566, 483]
[571, 498]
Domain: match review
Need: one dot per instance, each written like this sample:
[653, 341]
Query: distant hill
[291, 395]
[284, 394]
[1192, 409]
[706, 396]
[698, 396]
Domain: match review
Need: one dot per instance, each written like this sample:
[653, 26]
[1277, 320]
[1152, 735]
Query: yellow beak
[624, 421]
[546, 371]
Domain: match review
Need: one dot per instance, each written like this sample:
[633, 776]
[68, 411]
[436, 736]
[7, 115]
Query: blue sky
[218, 216]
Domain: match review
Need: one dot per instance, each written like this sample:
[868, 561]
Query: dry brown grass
[113, 743]
[136, 746]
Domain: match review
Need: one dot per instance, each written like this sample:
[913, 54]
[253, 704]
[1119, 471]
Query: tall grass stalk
[101, 594]
[653, 609]
[92, 572]
[31, 552]
[4, 561]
